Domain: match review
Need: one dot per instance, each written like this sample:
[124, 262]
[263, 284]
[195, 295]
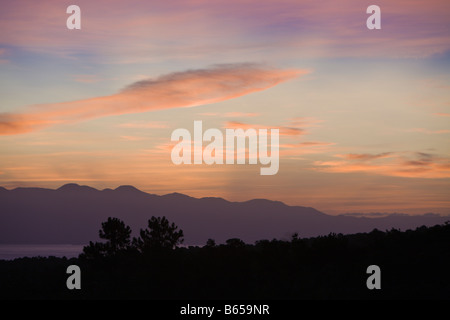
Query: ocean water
[13, 251]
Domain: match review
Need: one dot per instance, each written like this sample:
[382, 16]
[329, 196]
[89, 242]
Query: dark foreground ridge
[413, 263]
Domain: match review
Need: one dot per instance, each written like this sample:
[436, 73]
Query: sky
[363, 114]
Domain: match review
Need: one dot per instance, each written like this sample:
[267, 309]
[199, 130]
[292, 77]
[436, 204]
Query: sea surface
[13, 251]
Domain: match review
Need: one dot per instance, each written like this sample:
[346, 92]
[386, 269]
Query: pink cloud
[409, 165]
[364, 156]
[230, 114]
[132, 138]
[316, 143]
[321, 28]
[241, 114]
[291, 133]
[176, 90]
[284, 131]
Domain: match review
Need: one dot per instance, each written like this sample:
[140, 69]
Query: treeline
[413, 263]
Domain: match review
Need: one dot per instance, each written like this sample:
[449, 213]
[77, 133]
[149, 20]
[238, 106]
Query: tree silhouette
[235, 243]
[160, 234]
[325, 267]
[210, 243]
[94, 250]
[117, 235]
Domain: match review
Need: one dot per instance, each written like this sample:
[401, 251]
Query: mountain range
[73, 214]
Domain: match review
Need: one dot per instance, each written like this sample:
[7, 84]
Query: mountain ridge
[73, 214]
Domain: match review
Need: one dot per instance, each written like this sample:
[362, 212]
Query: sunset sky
[364, 115]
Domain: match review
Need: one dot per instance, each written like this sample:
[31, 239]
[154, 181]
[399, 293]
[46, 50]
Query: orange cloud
[441, 114]
[291, 132]
[316, 143]
[293, 128]
[364, 156]
[132, 138]
[21, 123]
[181, 89]
[284, 131]
[412, 165]
[231, 114]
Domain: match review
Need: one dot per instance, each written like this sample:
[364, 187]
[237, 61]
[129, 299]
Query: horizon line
[356, 214]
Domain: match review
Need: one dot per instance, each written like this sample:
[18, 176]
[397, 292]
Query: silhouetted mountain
[73, 214]
[73, 187]
[129, 189]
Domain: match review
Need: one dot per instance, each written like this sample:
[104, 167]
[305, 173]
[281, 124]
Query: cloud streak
[176, 90]
[284, 130]
[234, 114]
[400, 164]
[364, 156]
[290, 133]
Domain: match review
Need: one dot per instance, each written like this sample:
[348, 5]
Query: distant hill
[73, 214]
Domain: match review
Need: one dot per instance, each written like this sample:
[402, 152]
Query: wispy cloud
[241, 114]
[176, 90]
[316, 143]
[284, 131]
[132, 138]
[364, 156]
[290, 132]
[399, 164]
[293, 127]
[231, 114]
